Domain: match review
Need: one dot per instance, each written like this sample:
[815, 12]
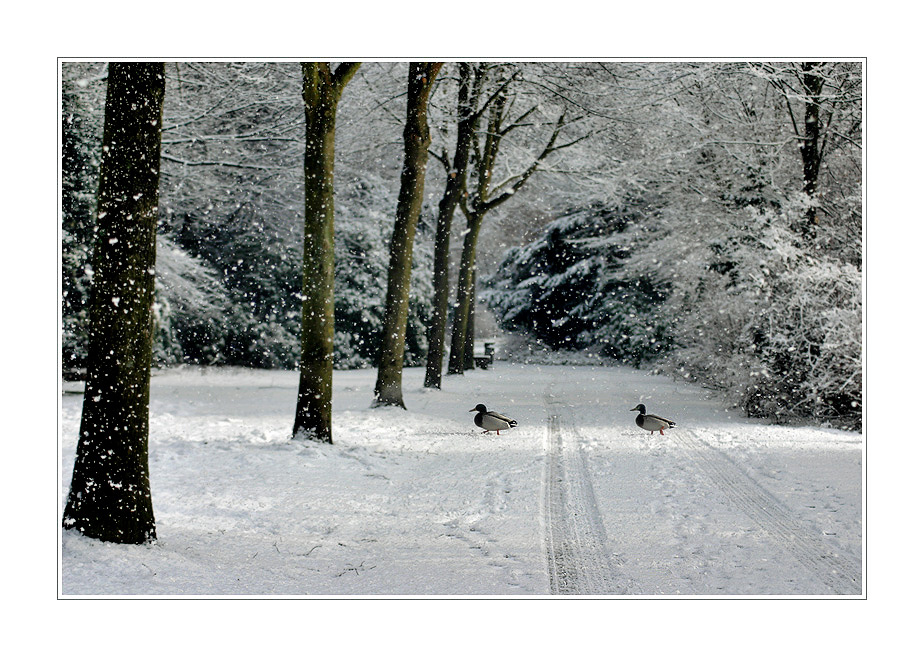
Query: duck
[652, 423]
[492, 421]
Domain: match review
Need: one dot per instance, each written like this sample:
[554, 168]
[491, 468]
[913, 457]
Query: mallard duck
[491, 421]
[652, 423]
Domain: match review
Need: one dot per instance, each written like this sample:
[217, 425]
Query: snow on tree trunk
[321, 93]
[110, 494]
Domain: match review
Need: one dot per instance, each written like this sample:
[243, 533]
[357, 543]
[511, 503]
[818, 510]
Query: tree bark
[468, 362]
[464, 299]
[388, 391]
[321, 91]
[809, 149]
[110, 493]
[486, 156]
[455, 178]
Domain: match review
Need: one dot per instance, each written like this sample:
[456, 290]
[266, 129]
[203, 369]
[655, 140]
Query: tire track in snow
[575, 539]
[837, 572]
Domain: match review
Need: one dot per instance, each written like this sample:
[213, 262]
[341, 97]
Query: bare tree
[484, 195]
[829, 93]
[321, 91]
[110, 493]
[421, 76]
[471, 79]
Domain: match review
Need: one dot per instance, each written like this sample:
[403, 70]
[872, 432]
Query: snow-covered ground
[576, 500]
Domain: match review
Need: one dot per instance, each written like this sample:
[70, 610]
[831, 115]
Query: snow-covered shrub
[361, 278]
[75, 297]
[192, 308]
[80, 135]
[756, 311]
[812, 347]
[167, 349]
[254, 343]
[361, 270]
[568, 288]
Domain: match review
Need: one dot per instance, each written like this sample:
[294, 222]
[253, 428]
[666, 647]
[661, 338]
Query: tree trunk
[468, 362]
[811, 153]
[464, 299]
[110, 493]
[321, 91]
[388, 392]
[455, 179]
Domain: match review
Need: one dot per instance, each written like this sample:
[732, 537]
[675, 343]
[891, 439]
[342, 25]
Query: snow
[420, 503]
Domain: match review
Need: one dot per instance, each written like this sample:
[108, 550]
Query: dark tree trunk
[110, 493]
[321, 91]
[810, 149]
[464, 300]
[469, 359]
[455, 179]
[410, 198]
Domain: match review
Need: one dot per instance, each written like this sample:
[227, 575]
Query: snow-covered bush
[248, 315]
[191, 308]
[80, 135]
[254, 343]
[361, 277]
[361, 268]
[733, 297]
[75, 297]
[817, 350]
[569, 289]
[758, 312]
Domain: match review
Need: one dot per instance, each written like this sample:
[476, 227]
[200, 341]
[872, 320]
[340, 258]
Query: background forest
[701, 219]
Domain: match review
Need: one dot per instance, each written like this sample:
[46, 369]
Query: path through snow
[574, 501]
[576, 544]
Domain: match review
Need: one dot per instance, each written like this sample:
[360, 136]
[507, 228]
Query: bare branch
[218, 163]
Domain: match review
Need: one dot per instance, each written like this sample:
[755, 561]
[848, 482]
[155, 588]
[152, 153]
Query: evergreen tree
[79, 173]
[361, 272]
[569, 288]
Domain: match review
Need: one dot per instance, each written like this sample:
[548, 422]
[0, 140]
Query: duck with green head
[652, 423]
[491, 420]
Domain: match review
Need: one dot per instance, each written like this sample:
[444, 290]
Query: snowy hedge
[569, 288]
[738, 300]
[361, 277]
[208, 317]
[763, 314]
